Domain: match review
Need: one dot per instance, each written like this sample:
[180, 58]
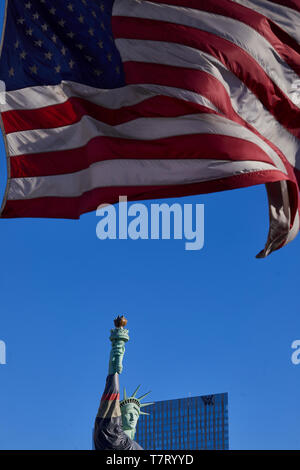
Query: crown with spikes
[135, 400]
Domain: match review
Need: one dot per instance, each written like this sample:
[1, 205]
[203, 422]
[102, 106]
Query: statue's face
[130, 416]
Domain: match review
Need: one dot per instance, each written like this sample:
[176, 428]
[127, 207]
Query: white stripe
[227, 28]
[79, 134]
[166, 53]
[43, 96]
[286, 18]
[294, 230]
[280, 217]
[129, 95]
[129, 173]
[244, 102]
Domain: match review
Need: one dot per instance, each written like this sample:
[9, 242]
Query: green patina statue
[116, 421]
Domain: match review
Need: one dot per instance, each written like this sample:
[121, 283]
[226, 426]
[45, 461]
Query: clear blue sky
[201, 322]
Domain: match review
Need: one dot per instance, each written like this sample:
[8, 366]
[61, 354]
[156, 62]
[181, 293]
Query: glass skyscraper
[186, 423]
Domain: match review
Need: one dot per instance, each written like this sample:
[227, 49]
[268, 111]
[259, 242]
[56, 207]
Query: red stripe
[72, 111]
[233, 57]
[72, 208]
[284, 44]
[293, 190]
[107, 148]
[214, 146]
[110, 397]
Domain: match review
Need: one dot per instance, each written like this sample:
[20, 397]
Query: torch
[118, 337]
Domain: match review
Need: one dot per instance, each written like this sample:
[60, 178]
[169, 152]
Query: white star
[91, 31]
[71, 7]
[44, 27]
[29, 32]
[11, 72]
[28, 5]
[62, 23]
[48, 55]
[102, 25]
[36, 16]
[71, 35]
[88, 58]
[80, 46]
[54, 38]
[63, 51]
[102, 7]
[17, 43]
[81, 19]
[52, 11]
[109, 57]
[98, 72]
[21, 20]
[84, 2]
[94, 14]
[58, 69]
[100, 44]
[71, 64]
[33, 69]
[38, 43]
[23, 55]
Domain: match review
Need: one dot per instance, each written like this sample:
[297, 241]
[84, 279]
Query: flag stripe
[243, 101]
[181, 77]
[43, 97]
[57, 207]
[247, 70]
[74, 109]
[294, 4]
[130, 172]
[245, 39]
[294, 230]
[286, 18]
[251, 19]
[219, 147]
[79, 134]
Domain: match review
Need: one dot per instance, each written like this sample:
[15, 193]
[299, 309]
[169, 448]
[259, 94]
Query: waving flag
[151, 99]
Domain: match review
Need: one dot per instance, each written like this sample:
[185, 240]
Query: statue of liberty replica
[116, 421]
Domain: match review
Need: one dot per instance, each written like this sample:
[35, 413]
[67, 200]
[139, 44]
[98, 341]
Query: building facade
[186, 423]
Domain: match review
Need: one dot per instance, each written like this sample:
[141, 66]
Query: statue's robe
[108, 431]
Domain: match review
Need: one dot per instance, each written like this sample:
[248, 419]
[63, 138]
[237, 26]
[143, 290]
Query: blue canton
[47, 41]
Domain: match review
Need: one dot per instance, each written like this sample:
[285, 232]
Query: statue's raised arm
[116, 421]
[118, 337]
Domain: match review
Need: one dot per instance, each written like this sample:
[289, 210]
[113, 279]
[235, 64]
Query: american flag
[150, 99]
